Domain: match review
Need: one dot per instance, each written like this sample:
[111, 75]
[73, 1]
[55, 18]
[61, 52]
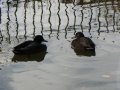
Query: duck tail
[16, 51]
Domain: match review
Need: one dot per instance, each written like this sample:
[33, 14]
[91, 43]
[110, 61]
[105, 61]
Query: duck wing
[87, 43]
[17, 49]
[31, 48]
[76, 44]
[34, 47]
[83, 43]
[22, 45]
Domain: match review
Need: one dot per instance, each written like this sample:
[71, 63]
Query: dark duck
[31, 47]
[83, 45]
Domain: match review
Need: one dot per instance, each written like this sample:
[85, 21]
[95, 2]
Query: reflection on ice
[30, 57]
[35, 17]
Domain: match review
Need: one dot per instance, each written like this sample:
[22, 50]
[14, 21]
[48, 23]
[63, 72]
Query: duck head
[39, 39]
[79, 35]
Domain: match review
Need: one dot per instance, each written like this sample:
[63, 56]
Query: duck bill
[45, 41]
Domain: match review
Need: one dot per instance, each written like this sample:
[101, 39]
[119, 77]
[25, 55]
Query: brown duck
[82, 45]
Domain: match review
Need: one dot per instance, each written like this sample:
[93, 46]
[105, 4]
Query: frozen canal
[60, 68]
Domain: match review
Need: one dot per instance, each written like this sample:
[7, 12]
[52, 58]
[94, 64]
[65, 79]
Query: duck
[31, 46]
[82, 44]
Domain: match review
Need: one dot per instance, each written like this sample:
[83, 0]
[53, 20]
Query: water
[60, 68]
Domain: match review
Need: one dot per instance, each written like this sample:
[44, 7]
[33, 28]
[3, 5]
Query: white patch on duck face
[43, 43]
